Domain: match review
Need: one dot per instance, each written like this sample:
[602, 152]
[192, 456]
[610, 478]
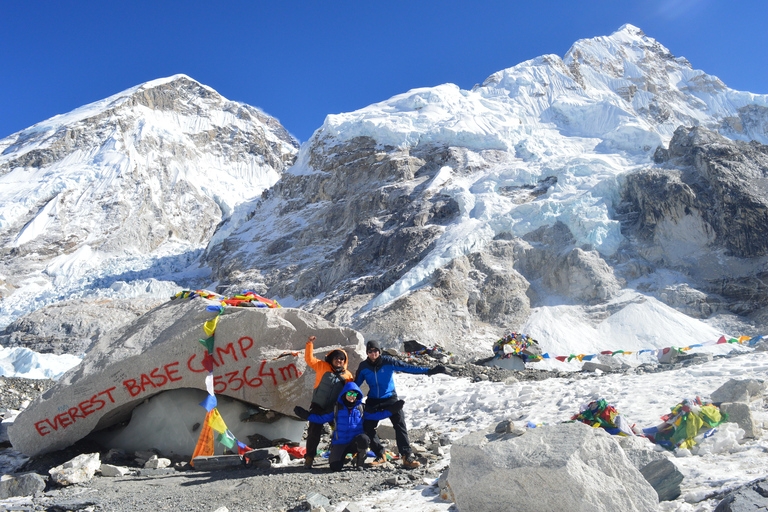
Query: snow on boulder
[568, 466]
[257, 358]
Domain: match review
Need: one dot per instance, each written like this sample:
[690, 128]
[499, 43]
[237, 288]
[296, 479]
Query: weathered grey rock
[315, 500]
[664, 477]
[216, 462]
[110, 470]
[385, 431]
[544, 469]
[509, 363]
[76, 471]
[752, 497]
[156, 462]
[253, 361]
[740, 414]
[21, 485]
[397, 480]
[736, 390]
[352, 507]
[639, 450]
[508, 427]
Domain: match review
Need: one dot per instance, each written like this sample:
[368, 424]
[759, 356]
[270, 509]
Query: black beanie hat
[372, 344]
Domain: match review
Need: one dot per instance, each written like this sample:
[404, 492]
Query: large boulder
[256, 359]
[738, 390]
[569, 466]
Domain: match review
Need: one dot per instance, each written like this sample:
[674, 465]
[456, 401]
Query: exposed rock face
[482, 290]
[375, 211]
[371, 207]
[160, 351]
[545, 469]
[70, 327]
[704, 213]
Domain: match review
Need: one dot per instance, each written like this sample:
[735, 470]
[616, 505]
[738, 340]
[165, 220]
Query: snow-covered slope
[113, 195]
[383, 203]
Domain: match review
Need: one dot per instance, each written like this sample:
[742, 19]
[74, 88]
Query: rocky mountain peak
[144, 174]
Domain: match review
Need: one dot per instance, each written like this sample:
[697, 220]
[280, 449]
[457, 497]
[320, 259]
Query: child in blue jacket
[348, 435]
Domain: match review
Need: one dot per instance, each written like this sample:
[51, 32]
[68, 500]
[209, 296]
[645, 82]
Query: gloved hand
[395, 407]
[301, 412]
[437, 369]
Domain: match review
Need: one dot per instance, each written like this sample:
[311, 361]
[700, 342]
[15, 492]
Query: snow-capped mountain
[449, 215]
[108, 198]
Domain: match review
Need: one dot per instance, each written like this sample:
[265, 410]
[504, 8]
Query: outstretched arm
[400, 366]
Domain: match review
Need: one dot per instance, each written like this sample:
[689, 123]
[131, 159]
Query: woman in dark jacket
[330, 376]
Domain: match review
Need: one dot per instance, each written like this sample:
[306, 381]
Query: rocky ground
[288, 488]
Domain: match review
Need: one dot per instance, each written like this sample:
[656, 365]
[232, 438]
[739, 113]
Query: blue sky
[301, 60]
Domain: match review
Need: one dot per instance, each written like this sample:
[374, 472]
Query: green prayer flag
[208, 344]
[225, 439]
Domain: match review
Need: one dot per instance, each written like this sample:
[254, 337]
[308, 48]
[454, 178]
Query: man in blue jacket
[377, 371]
[347, 417]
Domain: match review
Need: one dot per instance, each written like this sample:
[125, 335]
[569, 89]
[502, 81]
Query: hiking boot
[410, 462]
[308, 461]
[380, 459]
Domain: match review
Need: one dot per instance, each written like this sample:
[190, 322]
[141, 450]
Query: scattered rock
[740, 414]
[21, 485]
[664, 477]
[216, 462]
[316, 500]
[110, 470]
[76, 471]
[156, 462]
[735, 390]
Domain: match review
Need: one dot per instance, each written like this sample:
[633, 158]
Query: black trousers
[315, 430]
[339, 452]
[398, 423]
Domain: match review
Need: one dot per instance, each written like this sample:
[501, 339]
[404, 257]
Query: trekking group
[337, 399]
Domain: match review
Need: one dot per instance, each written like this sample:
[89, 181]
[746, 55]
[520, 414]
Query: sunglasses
[339, 358]
[352, 394]
[373, 350]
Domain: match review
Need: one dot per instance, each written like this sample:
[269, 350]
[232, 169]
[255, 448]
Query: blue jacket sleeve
[400, 366]
[377, 416]
[317, 418]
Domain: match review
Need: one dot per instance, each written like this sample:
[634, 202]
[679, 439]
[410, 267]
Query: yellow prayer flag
[210, 326]
[216, 421]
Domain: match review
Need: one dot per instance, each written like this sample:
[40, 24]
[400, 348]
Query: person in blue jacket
[348, 436]
[377, 371]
